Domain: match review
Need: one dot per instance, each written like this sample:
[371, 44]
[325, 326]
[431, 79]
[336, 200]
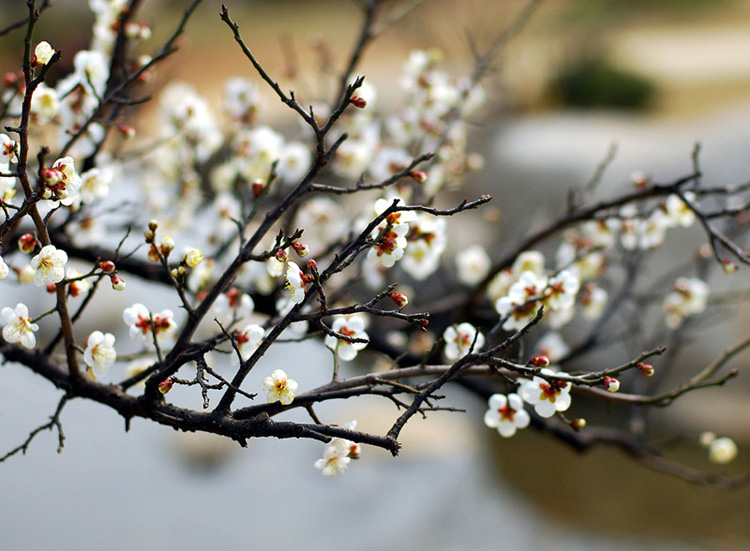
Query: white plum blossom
[561, 290]
[388, 162]
[18, 326]
[248, 340]
[529, 261]
[335, 458]
[652, 230]
[602, 233]
[522, 302]
[8, 150]
[461, 339]
[294, 162]
[193, 257]
[352, 158]
[506, 414]
[352, 327]
[241, 99]
[45, 103]
[688, 297]
[547, 397]
[49, 265]
[100, 352]
[390, 235]
[296, 282]
[678, 212]
[593, 301]
[95, 184]
[472, 265]
[62, 182]
[139, 319]
[426, 242]
[280, 387]
[234, 304]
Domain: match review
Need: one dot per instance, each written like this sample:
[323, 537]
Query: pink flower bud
[312, 265]
[358, 102]
[419, 176]
[612, 384]
[539, 361]
[166, 386]
[26, 243]
[107, 266]
[281, 255]
[258, 186]
[399, 299]
[300, 248]
[127, 131]
[118, 284]
[51, 287]
[646, 369]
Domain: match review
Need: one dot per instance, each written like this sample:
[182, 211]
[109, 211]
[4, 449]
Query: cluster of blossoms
[352, 328]
[144, 325]
[338, 454]
[688, 297]
[547, 396]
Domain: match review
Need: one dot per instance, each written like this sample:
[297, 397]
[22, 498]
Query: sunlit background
[652, 78]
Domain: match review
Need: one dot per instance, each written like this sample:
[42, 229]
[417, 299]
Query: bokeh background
[653, 78]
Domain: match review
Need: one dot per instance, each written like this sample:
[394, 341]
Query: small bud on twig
[358, 102]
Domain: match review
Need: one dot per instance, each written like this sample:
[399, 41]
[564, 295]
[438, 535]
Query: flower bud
[51, 287]
[399, 299]
[258, 186]
[722, 451]
[539, 361]
[639, 179]
[358, 102]
[153, 253]
[26, 243]
[153, 225]
[193, 257]
[300, 248]
[281, 255]
[118, 284]
[312, 265]
[127, 131]
[43, 53]
[166, 385]
[612, 384]
[175, 273]
[419, 176]
[107, 266]
[579, 423]
[729, 266]
[149, 236]
[167, 246]
[646, 369]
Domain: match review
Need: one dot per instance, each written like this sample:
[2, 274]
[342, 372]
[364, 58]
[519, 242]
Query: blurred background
[653, 78]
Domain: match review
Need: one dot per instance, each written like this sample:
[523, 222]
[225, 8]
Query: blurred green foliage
[595, 82]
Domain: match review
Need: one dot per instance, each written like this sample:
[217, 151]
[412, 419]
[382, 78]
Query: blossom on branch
[18, 326]
[352, 327]
[280, 387]
[547, 397]
[462, 339]
[49, 265]
[140, 321]
[506, 414]
[100, 352]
